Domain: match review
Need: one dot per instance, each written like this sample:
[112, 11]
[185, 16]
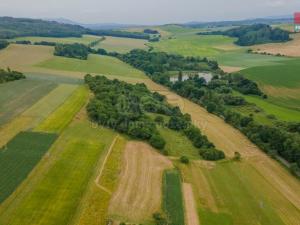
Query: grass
[95, 64]
[85, 39]
[173, 199]
[55, 196]
[19, 157]
[17, 96]
[121, 45]
[177, 144]
[243, 196]
[280, 112]
[95, 204]
[62, 116]
[36, 113]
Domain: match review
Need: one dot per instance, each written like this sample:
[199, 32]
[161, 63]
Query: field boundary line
[103, 165]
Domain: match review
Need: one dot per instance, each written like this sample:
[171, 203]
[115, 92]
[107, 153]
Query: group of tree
[10, 75]
[150, 31]
[254, 34]
[78, 51]
[217, 97]
[124, 107]
[20, 27]
[3, 44]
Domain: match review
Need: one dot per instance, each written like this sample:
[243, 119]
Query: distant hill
[267, 20]
[16, 27]
[19, 27]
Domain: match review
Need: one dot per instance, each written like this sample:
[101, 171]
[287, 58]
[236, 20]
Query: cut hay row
[63, 182]
[191, 214]
[61, 117]
[139, 193]
[36, 113]
[19, 157]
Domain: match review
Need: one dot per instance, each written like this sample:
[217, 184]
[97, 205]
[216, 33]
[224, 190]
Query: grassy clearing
[19, 157]
[61, 117]
[177, 144]
[280, 112]
[17, 96]
[173, 199]
[54, 198]
[85, 39]
[95, 64]
[122, 45]
[94, 206]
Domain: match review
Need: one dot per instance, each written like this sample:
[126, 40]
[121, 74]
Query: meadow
[280, 82]
[19, 157]
[172, 197]
[94, 64]
[17, 96]
[121, 45]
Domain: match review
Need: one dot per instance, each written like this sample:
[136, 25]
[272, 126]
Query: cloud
[277, 3]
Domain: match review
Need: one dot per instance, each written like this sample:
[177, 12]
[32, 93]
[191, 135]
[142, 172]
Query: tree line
[10, 75]
[3, 44]
[254, 34]
[78, 51]
[281, 139]
[124, 107]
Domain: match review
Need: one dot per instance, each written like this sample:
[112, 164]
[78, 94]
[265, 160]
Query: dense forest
[254, 34]
[10, 75]
[124, 107]
[78, 51]
[3, 44]
[21, 27]
[281, 139]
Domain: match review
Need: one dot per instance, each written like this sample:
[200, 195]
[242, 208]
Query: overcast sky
[147, 11]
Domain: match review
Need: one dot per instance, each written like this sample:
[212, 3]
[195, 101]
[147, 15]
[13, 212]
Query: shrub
[157, 141]
[184, 160]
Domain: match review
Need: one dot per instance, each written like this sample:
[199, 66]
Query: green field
[61, 117]
[19, 157]
[172, 197]
[17, 96]
[54, 197]
[121, 45]
[281, 83]
[177, 144]
[85, 39]
[95, 64]
[242, 197]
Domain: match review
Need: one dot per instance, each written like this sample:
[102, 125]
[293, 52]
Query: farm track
[190, 205]
[139, 192]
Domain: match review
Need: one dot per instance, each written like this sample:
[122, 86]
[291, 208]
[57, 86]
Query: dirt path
[138, 194]
[191, 215]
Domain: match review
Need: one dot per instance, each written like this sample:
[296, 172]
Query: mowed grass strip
[19, 157]
[17, 96]
[56, 196]
[173, 199]
[105, 65]
[94, 207]
[61, 117]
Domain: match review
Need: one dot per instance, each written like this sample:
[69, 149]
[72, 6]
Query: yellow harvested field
[230, 69]
[191, 215]
[290, 48]
[139, 193]
[22, 56]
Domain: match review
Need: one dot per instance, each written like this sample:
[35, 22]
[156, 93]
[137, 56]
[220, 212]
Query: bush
[157, 141]
[212, 154]
[184, 160]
